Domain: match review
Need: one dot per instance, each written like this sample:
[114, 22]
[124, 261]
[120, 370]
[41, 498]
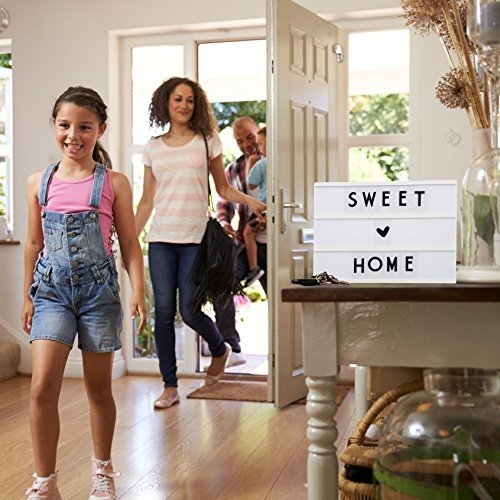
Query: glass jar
[480, 213]
[443, 442]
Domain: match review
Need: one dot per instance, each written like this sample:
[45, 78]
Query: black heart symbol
[383, 232]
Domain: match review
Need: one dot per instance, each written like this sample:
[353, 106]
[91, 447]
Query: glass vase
[480, 212]
[444, 441]
[481, 186]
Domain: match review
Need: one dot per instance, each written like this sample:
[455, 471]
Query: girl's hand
[138, 309]
[27, 315]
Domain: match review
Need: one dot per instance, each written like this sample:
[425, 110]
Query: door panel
[301, 151]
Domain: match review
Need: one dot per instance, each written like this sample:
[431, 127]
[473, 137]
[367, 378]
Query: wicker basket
[361, 452]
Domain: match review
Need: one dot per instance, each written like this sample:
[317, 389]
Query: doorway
[233, 74]
[303, 148]
[232, 71]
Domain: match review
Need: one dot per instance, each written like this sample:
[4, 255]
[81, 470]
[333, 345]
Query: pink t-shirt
[71, 197]
[181, 195]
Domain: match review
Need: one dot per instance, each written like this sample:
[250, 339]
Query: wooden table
[454, 325]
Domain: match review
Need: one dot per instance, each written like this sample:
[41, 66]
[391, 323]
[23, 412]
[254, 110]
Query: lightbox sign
[386, 232]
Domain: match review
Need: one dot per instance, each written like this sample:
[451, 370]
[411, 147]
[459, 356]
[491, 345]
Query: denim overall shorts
[75, 286]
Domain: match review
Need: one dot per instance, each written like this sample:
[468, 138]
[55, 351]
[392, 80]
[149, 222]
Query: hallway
[199, 449]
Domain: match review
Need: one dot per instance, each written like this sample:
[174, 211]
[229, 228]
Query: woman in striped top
[175, 186]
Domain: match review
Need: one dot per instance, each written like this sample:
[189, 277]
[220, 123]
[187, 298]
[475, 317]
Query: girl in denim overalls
[71, 283]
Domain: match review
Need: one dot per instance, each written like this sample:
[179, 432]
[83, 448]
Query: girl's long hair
[90, 99]
[202, 121]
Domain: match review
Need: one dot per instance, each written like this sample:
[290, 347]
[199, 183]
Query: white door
[302, 150]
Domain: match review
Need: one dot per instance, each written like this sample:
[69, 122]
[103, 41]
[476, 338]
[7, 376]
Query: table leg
[360, 392]
[322, 466]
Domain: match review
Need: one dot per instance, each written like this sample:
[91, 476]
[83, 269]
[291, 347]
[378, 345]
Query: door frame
[120, 147]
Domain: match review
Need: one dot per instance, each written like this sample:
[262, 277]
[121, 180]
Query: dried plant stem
[476, 113]
[476, 94]
[486, 94]
[471, 116]
[462, 86]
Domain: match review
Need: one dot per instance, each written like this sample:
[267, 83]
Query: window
[150, 64]
[5, 135]
[378, 111]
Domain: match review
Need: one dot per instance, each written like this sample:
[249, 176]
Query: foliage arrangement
[460, 87]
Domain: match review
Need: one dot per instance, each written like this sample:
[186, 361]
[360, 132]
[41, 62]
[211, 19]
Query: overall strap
[44, 185]
[99, 177]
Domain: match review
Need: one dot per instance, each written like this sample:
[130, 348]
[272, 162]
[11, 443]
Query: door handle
[284, 205]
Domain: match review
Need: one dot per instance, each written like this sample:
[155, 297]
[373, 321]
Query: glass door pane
[379, 91]
[379, 82]
[233, 70]
[151, 65]
[374, 164]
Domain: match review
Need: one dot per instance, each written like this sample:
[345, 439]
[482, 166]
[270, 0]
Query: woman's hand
[27, 315]
[258, 208]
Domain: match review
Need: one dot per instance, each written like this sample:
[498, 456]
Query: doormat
[233, 391]
[250, 391]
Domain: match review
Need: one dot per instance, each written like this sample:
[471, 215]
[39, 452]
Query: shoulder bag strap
[211, 208]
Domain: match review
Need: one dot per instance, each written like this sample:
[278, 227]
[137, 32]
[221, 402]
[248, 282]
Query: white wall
[59, 43]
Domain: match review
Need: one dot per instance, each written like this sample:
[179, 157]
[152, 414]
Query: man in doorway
[245, 133]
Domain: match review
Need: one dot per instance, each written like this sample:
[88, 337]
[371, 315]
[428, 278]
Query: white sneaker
[103, 484]
[44, 490]
[236, 359]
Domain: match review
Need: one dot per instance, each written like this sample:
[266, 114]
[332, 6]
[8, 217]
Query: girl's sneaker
[44, 490]
[103, 483]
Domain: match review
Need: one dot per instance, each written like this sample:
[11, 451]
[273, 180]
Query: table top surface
[407, 292]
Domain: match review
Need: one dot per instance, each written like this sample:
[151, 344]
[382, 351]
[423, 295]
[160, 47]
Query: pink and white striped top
[181, 196]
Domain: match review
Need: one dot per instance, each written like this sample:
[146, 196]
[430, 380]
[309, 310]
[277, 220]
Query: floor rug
[250, 391]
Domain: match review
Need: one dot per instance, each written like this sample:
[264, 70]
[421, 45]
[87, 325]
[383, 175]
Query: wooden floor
[199, 449]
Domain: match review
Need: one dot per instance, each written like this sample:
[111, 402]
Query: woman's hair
[90, 99]
[262, 131]
[202, 121]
